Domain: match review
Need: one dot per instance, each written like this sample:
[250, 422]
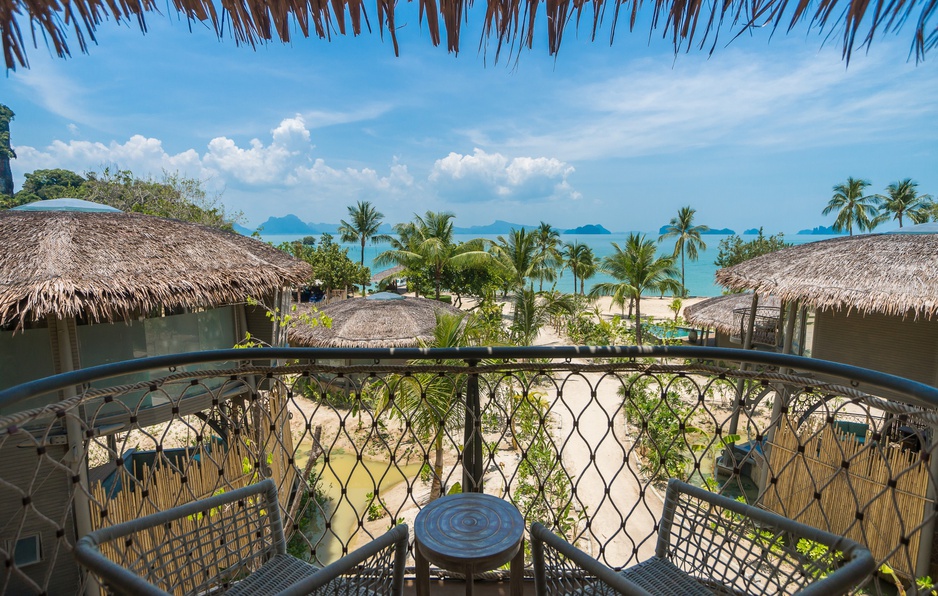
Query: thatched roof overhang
[383, 275]
[893, 274]
[366, 323]
[107, 265]
[717, 313]
[509, 24]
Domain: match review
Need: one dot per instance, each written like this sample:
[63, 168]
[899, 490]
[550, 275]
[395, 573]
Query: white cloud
[734, 98]
[485, 176]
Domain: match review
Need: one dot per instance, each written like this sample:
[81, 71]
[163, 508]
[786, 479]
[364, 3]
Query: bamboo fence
[830, 480]
[266, 449]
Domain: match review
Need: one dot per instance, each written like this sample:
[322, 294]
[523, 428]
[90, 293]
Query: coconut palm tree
[547, 240]
[852, 206]
[902, 200]
[580, 260]
[429, 404]
[518, 256]
[427, 243]
[687, 238]
[366, 220]
[637, 269]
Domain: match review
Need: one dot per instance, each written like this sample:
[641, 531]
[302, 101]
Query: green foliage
[312, 503]
[375, 507]
[637, 269]
[171, 196]
[479, 280]
[332, 267]
[284, 320]
[734, 250]
[425, 248]
[687, 238]
[903, 201]
[580, 260]
[665, 437]
[853, 208]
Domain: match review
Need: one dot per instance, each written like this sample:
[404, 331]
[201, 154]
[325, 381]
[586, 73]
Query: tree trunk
[638, 319]
[363, 262]
[436, 486]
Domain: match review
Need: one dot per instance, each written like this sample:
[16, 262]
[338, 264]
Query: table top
[469, 529]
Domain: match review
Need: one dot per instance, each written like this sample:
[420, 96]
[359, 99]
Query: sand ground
[595, 452]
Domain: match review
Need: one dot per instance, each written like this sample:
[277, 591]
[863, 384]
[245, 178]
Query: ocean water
[699, 274]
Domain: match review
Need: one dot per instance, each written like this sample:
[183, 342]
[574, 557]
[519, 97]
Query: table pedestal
[469, 533]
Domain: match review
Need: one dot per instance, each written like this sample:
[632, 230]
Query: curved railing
[579, 438]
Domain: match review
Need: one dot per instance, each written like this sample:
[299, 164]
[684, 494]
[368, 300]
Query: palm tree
[638, 269]
[851, 206]
[579, 259]
[366, 220]
[687, 238]
[547, 240]
[427, 242]
[429, 404]
[518, 256]
[588, 268]
[902, 199]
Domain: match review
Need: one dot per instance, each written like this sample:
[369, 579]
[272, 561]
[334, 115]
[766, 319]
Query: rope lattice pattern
[583, 446]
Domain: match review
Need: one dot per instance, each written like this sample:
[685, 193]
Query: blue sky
[754, 135]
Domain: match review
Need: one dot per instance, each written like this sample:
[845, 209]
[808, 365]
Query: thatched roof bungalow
[80, 285]
[382, 320]
[728, 315]
[79, 288]
[868, 300]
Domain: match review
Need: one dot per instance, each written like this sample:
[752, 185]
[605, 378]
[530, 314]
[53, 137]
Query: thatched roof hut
[383, 275]
[718, 313]
[106, 266]
[893, 274]
[509, 24]
[381, 320]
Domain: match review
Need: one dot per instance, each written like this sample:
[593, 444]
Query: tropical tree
[580, 260]
[364, 225]
[547, 239]
[588, 269]
[687, 238]
[427, 243]
[902, 200]
[852, 207]
[429, 404]
[637, 269]
[6, 152]
[519, 256]
[733, 250]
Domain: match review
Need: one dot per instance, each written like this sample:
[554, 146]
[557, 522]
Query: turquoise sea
[698, 274]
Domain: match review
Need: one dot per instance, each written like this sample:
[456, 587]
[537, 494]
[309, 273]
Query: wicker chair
[710, 544]
[232, 542]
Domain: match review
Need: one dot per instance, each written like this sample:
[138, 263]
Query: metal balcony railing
[580, 439]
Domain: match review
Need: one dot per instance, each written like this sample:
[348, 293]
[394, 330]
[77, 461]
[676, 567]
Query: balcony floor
[458, 588]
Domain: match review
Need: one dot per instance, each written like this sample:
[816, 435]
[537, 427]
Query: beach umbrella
[382, 320]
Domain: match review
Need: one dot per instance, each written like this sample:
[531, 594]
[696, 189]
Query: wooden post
[740, 384]
[81, 503]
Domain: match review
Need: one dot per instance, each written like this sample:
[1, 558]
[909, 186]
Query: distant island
[820, 231]
[752, 232]
[713, 231]
[498, 227]
[588, 229]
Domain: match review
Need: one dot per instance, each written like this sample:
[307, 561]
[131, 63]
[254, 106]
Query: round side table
[469, 533]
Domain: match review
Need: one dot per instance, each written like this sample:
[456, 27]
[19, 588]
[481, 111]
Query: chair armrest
[193, 547]
[375, 567]
[727, 543]
[561, 568]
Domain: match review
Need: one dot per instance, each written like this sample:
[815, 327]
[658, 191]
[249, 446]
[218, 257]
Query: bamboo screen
[265, 447]
[832, 481]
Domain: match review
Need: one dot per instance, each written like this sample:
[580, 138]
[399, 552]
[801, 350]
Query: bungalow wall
[25, 467]
[890, 344]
